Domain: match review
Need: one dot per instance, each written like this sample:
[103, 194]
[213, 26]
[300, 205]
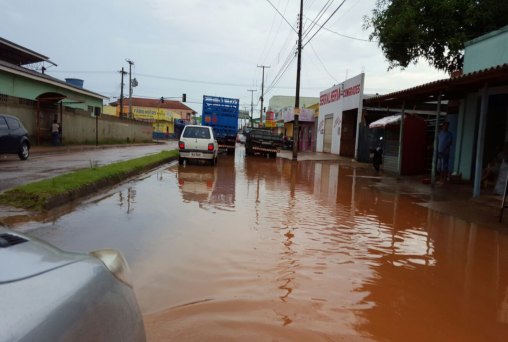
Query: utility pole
[121, 93]
[251, 105]
[262, 91]
[297, 96]
[131, 63]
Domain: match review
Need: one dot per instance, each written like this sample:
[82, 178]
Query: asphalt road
[49, 162]
[258, 249]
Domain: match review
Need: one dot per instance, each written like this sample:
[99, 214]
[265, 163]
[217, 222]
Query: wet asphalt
[314, 250]
[49, 161]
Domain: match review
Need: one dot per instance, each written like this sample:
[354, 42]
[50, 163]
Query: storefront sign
[306, 115]
[152, 114]
[352, 90]
[329, 97]
[334, 102]
[270, 124]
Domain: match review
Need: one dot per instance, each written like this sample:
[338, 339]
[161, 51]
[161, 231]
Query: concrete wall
[486, 51]
[24, 109]
[78, 126]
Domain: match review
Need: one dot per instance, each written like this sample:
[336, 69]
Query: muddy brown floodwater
[270, 250]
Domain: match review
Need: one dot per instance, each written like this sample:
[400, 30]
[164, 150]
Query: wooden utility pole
[251, 105]
[262, 91]
[121, 93]
[297, 96]
[130, 86]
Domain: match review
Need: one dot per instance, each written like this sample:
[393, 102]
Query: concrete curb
[89, 189]
[77, 148]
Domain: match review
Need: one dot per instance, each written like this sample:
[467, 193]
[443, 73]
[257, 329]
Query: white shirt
[55, 127]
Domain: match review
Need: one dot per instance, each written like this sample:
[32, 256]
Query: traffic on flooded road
[268, 249]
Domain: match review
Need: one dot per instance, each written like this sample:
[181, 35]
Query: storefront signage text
[330, 97]
[352, 91]
[335, 94]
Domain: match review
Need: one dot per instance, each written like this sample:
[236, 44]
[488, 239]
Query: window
[3, 124]
[12, 123]
[197, 132]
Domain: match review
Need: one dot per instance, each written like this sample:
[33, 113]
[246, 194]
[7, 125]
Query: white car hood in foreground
[24, 259]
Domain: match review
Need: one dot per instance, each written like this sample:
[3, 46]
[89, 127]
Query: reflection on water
[127, 198]
[263, 249]
[208, 185]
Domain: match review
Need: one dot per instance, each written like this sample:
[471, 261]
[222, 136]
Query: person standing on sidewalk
[443, 151]
[55, 133]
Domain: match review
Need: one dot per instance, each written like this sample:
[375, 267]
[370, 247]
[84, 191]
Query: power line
[318, 17]
[276, 60]
[342, 3]
[83, 72]
[323, 65]
[278, 30]
[268, 37]
[225, 84]
[346, 36]
[281, 73]
[194, 81]
[282, 70]
[275, 8]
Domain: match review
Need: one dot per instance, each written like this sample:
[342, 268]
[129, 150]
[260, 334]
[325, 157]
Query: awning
[387, 120]
[50, 97]
[450, 88]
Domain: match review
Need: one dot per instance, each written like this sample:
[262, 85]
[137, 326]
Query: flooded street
[270, 250]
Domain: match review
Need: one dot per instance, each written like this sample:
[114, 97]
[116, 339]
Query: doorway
[348, 133]
[327, 140]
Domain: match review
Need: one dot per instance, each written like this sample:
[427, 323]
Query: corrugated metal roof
[449, 87]
[19, 55]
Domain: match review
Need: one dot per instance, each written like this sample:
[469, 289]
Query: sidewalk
[317, 156]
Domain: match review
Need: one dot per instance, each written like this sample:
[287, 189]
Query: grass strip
[37, 195]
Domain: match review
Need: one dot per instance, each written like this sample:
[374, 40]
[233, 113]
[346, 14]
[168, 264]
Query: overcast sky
[204, 47]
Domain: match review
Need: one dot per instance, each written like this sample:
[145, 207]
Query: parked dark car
[13, 137]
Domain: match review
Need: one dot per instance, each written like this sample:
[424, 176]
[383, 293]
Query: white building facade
[340, 112]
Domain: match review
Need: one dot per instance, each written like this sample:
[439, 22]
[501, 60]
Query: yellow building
[161, 114]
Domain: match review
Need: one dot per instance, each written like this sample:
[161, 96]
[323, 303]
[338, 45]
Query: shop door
[327, 140]
[348, 133]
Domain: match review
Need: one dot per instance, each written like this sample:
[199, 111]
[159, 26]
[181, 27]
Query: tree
[433, 29]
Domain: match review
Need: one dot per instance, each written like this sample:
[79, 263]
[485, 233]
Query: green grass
[35, 195]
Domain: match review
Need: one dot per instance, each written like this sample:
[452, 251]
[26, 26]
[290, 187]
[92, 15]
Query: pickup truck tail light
[210, 147]
[181, 145]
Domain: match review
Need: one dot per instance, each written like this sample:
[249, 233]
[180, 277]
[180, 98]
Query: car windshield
[197, 132]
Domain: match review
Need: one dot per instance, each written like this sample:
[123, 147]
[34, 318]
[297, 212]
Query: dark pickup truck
[262, 141]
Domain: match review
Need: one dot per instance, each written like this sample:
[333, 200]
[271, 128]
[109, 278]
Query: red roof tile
[154, 103]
